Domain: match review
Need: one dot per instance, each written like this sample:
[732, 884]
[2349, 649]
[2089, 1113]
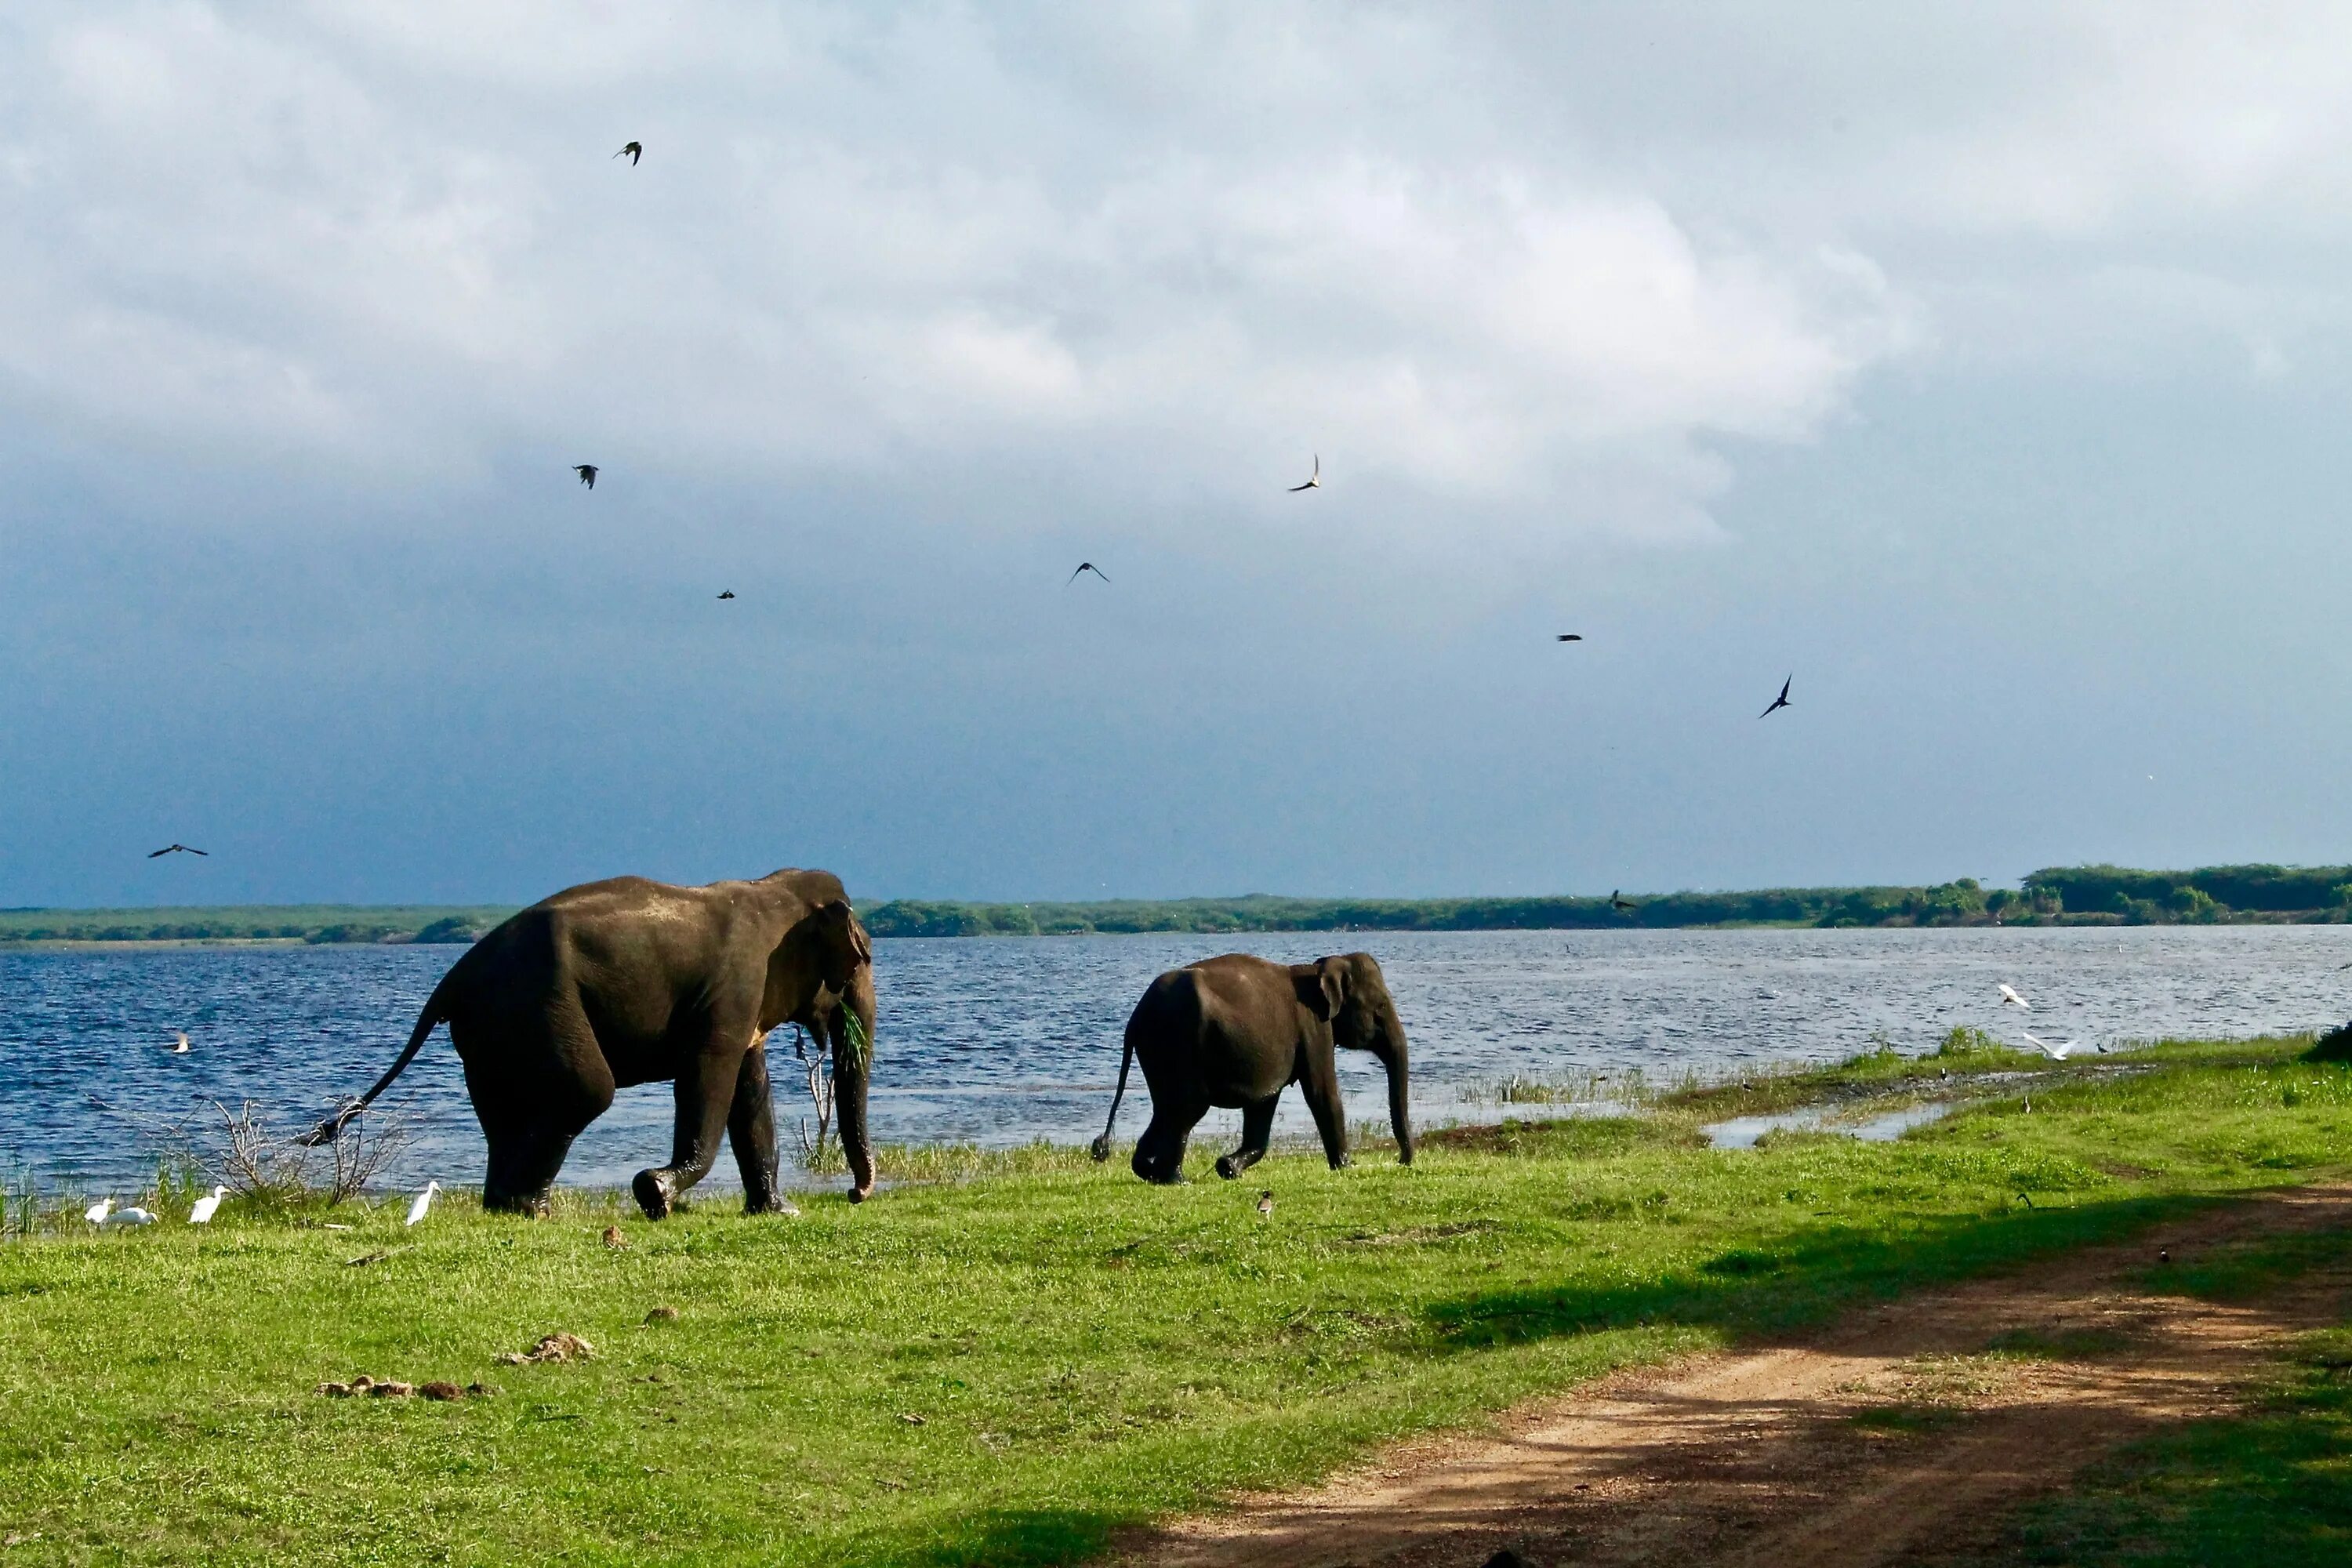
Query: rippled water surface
[1001, 1040]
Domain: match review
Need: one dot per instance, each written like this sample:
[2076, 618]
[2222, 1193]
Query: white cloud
[1496, 265]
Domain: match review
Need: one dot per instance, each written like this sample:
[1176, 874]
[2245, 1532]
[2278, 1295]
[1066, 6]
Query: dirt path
[1893, 1437]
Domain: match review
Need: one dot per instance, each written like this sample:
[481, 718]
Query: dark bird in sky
[1314, 480]
[632, 151]
[728, 594]
[1619, 901]
[1782, 701]
[587, 472]
[1085, 566]
[176, 849]
[1571, 637]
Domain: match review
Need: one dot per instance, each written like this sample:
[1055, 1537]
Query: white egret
[2009, 995]
[96, 1214]
[424, 1204]
[205, 1208]
[180, 1050]
[128, 1216]
[2058, 1050]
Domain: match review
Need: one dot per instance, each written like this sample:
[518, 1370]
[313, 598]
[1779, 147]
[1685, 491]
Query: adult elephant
[629, 981]
[1237, 1030]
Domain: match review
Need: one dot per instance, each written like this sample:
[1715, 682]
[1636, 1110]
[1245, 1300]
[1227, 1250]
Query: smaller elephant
[1235, 1030]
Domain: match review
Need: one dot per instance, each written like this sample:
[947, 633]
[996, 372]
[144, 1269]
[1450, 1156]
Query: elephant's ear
[838, 913]
[1322, 986]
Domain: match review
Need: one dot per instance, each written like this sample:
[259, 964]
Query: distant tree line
[2072, 895]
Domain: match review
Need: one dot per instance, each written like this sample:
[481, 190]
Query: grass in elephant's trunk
[1082, 1351]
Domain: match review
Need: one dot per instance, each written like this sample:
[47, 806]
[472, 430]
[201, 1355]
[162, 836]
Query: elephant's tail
[326, 1131]
[1101, 1147]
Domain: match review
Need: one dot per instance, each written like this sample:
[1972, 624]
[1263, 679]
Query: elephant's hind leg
[531, 1102]
[1159, 1153]
[1257, 1132]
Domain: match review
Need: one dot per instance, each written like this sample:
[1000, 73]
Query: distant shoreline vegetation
[2075, 895]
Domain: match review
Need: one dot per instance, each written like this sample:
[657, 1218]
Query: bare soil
[1901, 1436]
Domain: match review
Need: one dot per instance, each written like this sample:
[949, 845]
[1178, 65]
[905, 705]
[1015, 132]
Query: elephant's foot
[773, 1202]
[653, 1195]
[1232, 1165]
[531, 1205]
[859, 1195]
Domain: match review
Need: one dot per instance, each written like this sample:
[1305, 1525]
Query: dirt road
[1893, 1437]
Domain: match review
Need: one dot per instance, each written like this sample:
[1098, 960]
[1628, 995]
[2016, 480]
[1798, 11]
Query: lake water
[997, 1041]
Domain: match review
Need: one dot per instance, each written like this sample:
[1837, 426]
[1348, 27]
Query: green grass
[1083, 1352]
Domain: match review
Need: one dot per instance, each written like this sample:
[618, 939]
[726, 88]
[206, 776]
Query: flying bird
[1570, 636]
[2009, 995]
[1782, 701]
[416, 1211]
[632, 151]
[180, 1050]
[1314, 480]
[128, 1216]
[1265, 1203]
[96, 1214]
[1085, 566]
[1617, 901]
[728, 594]
[176, 849]
[2058, 1050]
[587, 472]
[206, 1207]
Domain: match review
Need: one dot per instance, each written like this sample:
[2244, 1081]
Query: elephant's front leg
[1257, 1132]
[706, 1093]
[1320, 1083]
[751, 1130]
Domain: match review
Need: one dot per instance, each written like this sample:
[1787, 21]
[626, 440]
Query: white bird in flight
[205, 1208]
[2009, 995]
[2060, 1049]
[128, 1216]
[418, 1210]
[96, 1214]
[180, 1050]
[1314, 480]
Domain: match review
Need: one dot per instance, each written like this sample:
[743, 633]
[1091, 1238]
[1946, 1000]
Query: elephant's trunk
[853, 1068]
[1394, 1059]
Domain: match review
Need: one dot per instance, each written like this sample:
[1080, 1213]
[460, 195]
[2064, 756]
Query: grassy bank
[1003, 1371]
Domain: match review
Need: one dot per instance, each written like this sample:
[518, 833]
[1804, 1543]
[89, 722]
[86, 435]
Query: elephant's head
[821, 977]
[1349, 991]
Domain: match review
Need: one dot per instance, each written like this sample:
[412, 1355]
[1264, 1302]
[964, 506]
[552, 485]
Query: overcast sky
[1988, 373]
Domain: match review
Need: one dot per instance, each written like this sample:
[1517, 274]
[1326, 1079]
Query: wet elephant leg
[1159, 1153]
[706, 1094]
[1320, 1083]
[1257, 1132]
[532, 1098]
[751, 1132]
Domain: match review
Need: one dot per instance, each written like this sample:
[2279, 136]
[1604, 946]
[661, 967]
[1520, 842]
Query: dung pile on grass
[552, 1347]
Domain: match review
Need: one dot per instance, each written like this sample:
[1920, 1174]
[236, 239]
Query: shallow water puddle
[1742, 1131]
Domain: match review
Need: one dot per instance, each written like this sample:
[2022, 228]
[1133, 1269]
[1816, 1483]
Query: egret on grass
[128, 1216]
[2058, 1050]
[418, 1210]
[96, 1214]
[205, 1208]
